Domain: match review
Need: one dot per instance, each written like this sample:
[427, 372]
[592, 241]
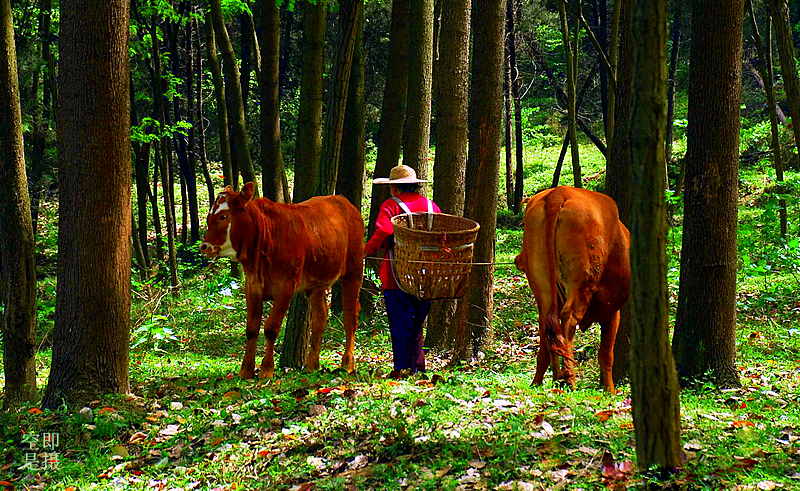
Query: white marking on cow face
[224, 206]
[226, 249]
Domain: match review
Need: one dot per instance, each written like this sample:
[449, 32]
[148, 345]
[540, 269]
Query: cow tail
[552, 207]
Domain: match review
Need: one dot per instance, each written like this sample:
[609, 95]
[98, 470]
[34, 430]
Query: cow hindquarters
[351, 288]
[272, 327]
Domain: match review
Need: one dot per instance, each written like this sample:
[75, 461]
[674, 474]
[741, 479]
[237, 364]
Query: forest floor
[191, 423]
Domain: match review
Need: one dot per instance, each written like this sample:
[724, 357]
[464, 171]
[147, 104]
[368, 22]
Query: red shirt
[384, 229]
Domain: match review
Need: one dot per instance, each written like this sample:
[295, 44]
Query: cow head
[227, 211]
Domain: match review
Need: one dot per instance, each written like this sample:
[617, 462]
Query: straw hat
[400, 174]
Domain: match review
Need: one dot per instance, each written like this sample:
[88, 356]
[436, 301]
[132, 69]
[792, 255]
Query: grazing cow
[575, 255]
[285, 249]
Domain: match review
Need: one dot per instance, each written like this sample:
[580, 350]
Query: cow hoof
[349, 368]
[266, 373]
[247, 373]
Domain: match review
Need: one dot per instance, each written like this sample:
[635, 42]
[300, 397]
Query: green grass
[192, 423]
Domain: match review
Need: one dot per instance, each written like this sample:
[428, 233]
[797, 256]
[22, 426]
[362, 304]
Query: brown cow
[575, 255]
[285, 249]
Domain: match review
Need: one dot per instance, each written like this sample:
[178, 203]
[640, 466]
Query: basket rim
[474, 228]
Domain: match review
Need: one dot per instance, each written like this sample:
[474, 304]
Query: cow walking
[575, 256]
[285, 249]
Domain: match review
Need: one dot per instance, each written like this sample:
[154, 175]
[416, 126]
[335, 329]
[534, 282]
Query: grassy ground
[192, 424]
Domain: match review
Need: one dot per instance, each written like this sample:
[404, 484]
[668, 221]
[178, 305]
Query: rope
[442, 262]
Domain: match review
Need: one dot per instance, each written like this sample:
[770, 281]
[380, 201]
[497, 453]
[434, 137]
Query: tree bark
[619, 178]
[783, 30]
[704, 338]
[201, 120]
[654, 383]
[451, 151]
[222, 108]
[337, 96]
[309, 120]
[17, 265]
[393, 107]
[350, 180]
[307, 164]
[41, 124]
[482, 170]
[92, 329]
[509, 139]
[420, 71]
[240, 139]
[271, 153]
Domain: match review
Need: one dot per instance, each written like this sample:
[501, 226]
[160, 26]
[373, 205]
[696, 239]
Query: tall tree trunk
[350, 180]
[570, 55]
[309, 120]
[451, 151]
[240, 139]
[420, 71]
[271, 154]
[613, 59]
[337, 96]
[201, 120]
[246, 41]
[141, 163]
[307, 163]
[189, 165]
[41, 124]
[92, 329]
[17, 265]
[222, 108]
[476, 309]
[153, 198]
[516, 82]
[509, 139]
[164, 160]
[619, 180]
[704, 338]
[766, 69]
[675, 37]
[393, 107]
[654, 383]
[783, 30]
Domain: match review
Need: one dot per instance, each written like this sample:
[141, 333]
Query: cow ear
[247, 191]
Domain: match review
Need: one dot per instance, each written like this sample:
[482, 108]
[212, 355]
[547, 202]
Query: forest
[130, 134]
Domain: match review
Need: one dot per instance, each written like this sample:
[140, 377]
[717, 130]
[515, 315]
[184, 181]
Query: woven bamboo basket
[433, 254]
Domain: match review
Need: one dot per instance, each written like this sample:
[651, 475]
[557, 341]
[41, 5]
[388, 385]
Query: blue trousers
[406, 315]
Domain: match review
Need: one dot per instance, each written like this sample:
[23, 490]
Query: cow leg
[350, 289]
[272, 327]
[542, 360]
[608, 336]
[319, 317]
[255, 310]
[572, 313]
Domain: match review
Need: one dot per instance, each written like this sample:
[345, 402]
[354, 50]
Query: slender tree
[17, 266]
[485, 110]
[393, 108]
[337, 96]
[451, 150]
[222, 109]
[240, 138]
[791, 84]
[516, 86]
[570, 60]
[92, 328]
[271, 154]
[420, 71]
[704, 338]
[654, 383]
[766, 71]
[675, 39]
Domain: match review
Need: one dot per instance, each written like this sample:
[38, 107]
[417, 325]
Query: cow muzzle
[209, 249]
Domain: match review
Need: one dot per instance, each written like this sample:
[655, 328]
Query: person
[406, 312]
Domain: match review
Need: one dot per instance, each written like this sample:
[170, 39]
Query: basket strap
[430, 214]
[406, 209]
